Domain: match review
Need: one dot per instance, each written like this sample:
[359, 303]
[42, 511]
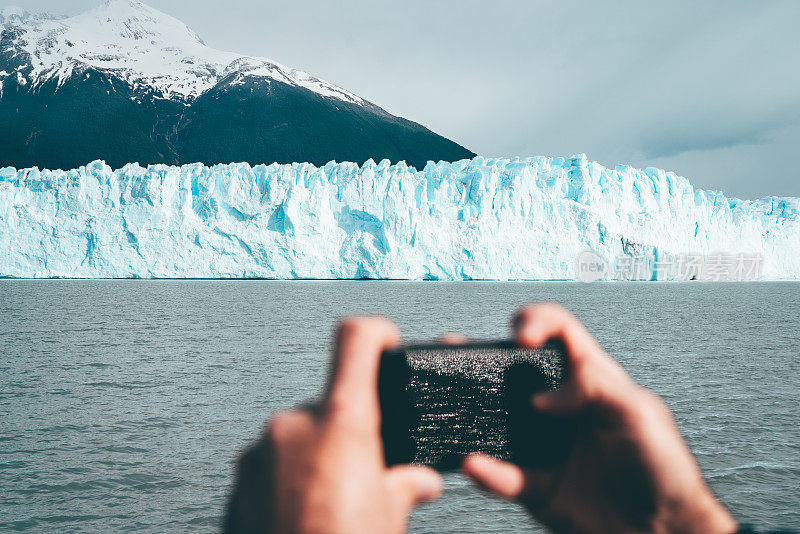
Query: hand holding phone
[626, 468]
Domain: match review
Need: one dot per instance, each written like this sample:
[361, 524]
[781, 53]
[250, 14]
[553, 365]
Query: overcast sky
[710, 90]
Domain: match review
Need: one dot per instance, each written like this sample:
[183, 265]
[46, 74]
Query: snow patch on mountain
[150, 50]
[472, 219]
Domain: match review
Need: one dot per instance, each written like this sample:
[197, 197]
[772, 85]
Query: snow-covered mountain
[140, 45]
[140, 78]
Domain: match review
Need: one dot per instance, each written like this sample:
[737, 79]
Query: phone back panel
[441, 402]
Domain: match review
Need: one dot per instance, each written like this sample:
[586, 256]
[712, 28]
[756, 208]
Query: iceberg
[498, 219]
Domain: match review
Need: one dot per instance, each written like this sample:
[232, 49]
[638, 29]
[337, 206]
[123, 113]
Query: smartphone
[441, 402]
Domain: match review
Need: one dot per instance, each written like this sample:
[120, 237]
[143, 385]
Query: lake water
[124, 403]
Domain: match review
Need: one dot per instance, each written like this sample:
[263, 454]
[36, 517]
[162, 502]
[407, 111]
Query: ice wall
[479, 219]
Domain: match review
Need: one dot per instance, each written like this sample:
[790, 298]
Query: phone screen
[441, 402]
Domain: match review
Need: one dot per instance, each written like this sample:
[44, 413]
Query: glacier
[498, 219]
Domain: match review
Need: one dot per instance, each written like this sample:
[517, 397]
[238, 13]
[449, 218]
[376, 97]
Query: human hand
[629, 469]
[325, 472]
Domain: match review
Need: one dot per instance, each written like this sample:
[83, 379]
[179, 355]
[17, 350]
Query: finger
[536, 324]
[353, 389]
[497, 476]
[567, 400]
[593, 376]
[532, 487]
[411, 485]
[452, 338]
[287, 429]
[289, 438]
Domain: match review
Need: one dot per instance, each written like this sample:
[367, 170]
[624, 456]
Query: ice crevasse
[472, 219]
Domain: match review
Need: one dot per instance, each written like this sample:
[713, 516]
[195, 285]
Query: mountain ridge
[143, 46]
[190, 102]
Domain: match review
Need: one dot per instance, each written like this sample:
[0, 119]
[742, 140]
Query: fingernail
[430, 487]
[529, 336]
[480, 462]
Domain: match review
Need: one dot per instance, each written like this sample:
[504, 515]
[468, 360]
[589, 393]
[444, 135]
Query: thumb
[411, 485]
[497, 476]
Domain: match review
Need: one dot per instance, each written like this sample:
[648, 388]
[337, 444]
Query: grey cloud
[679, 85]
[670, 141]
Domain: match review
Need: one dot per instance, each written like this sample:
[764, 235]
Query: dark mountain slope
[126, 83]
[260, 120]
